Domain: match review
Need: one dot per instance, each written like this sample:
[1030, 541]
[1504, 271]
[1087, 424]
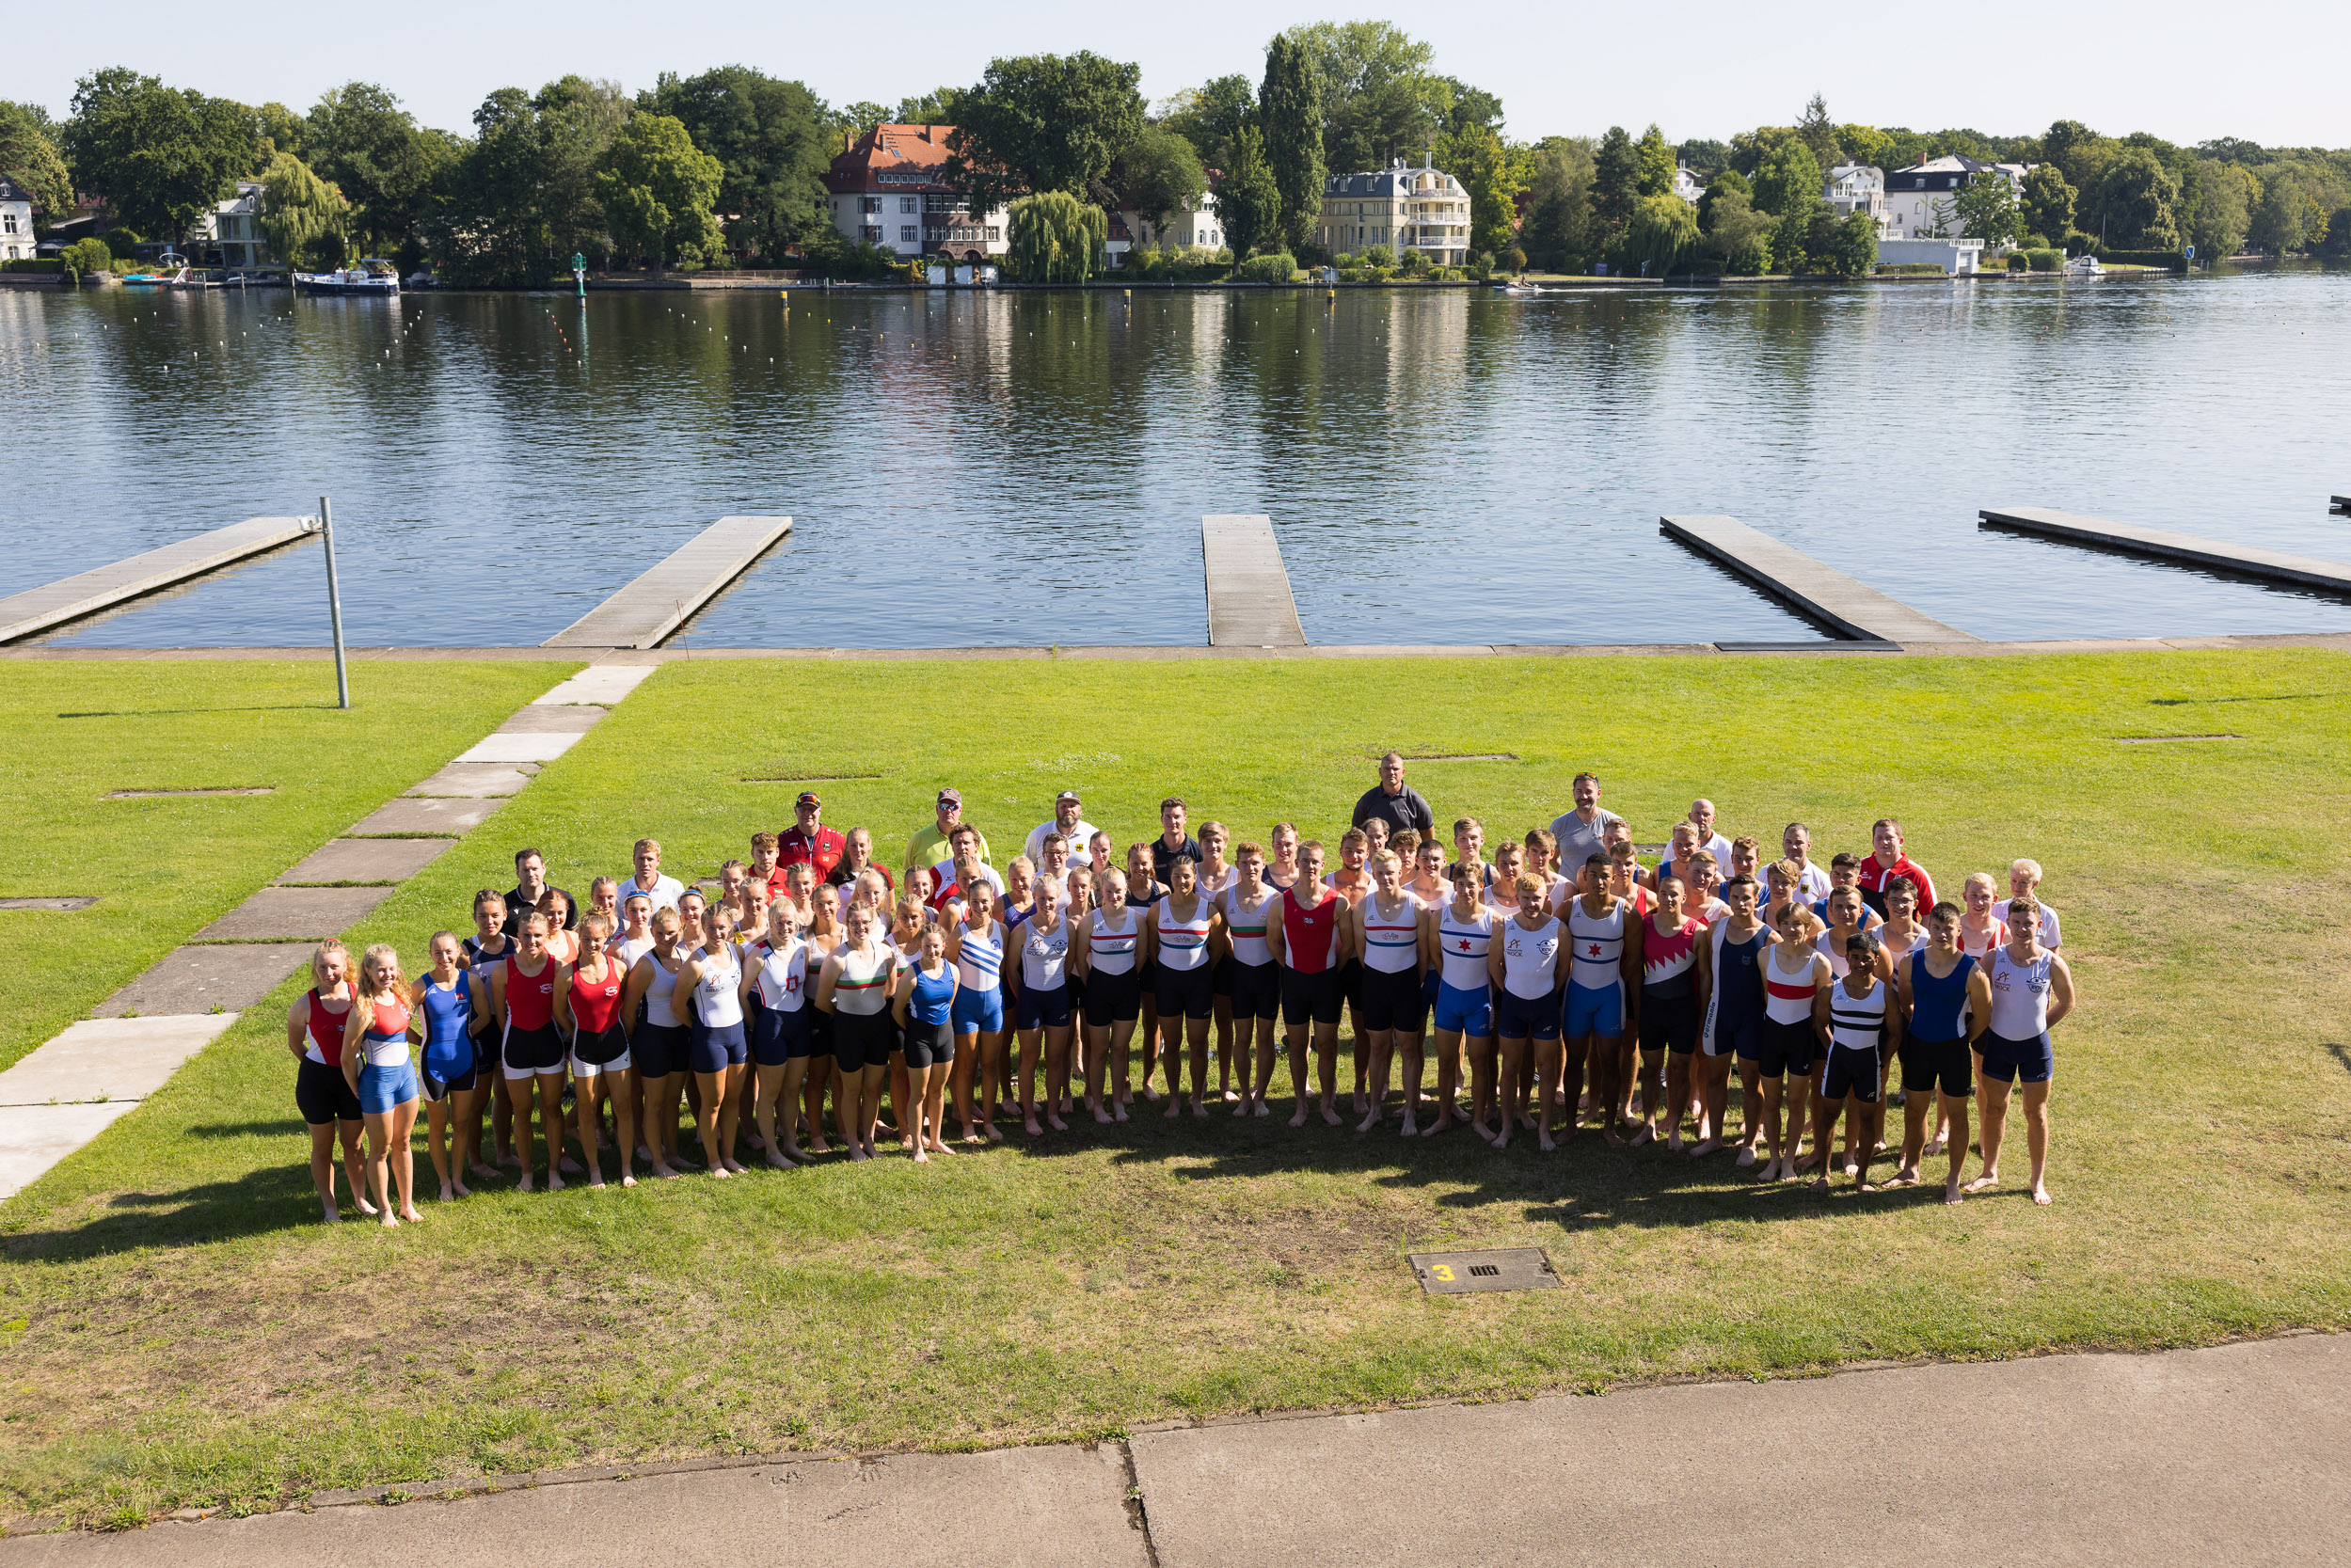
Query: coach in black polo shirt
[1173, 843]
[1394, 802]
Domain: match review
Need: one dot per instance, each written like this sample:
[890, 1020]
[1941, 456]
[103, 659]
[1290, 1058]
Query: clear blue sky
[2269, 70]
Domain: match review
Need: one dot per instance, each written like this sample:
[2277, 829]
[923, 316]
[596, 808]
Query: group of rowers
[1557, 979]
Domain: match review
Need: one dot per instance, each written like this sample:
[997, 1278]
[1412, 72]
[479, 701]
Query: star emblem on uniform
[1596, 950]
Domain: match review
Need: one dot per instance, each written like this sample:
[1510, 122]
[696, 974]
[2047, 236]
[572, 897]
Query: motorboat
[2085, 266]
[369, 274]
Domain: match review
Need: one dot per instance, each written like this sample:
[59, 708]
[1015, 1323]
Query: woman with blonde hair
[926, 1008]
[314, 1033]
[717, 1050]
[856, 986]
[383, 1078]
[776, 993]
[658, 1050]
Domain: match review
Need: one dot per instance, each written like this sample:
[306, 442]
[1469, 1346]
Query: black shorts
[1224, 968]
[820, 1033]
[1669, 1023]
[1310, 998]
[597, 1050]
[323, 1095]
[1351, 985]
[1930, 1064]
[1394, 1000]
[1189, 992]
[863, 1040]
[778, 1037]
[1256, 989]
[1113, 998]
[1788, 1048]
[1850, 1072]
[929, 1044]
[532, 1050]
[660, 1050]
[437, 1089]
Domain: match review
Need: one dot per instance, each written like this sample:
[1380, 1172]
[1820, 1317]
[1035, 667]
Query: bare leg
[1382, 1044]
[2037, 1137]
[1032, 1054]
[1546, 1056]
[1482, 1085]
[1653, 1099]
[1225, 1043]
[403, 1158]
[550, 1097]
[1297, 1034]
[1268, 1051]
[1150, 1041]
[1676, 1095]
[1057, 1073]
[585, 1092]
[818, 1076]
[1514, 1060]
[1751, 1104]
[378, 1124]
[520, 1093]
[1408, 1055]
[1608, 1089]
[1121, 1046]
[354, 1164]
[1769, 1112]
[1448, 1082]
[1326, 1070]
[1992, 1109]
[961, 1074]
[1954, 1109]
[1575, 1056]
[322, 1170]
[991, 1074]
[1171, 1055]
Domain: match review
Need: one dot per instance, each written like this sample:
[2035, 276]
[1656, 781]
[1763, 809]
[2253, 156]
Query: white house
[1404, 208]
[1686, 184]
[888, 188]
[234, 228]
[1921, 200]
[1851, 188]
[16, 221]
[1959, 257]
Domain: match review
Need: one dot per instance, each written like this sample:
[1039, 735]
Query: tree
[1853, 249]
[1207, 117]
[772, 145]
[1724, 181]
[1043, 122]
[2225, 194]
[2337, 244]
[281, 130]
[28, 156]
[1740, 234]
[1817, 132]
[160, 154]
[2048, 203]
[657, 189]
[1663, 231]
[2137, 194]
[361, 141]
[1379, 97]
[2279, 221]
[1290, 107]
[1615, 182]
[935, 107]
[1986, 210]
[1249, 204]
[1056, 238]
[1704, 155]
[520, 199]
[860, 117]
[1654, 163]
[1158, 174]
[1493, 174]
[1559, 204]
[1789, 180]
[304, 217]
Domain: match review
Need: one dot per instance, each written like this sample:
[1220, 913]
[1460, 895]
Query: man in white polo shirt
[1068, 821]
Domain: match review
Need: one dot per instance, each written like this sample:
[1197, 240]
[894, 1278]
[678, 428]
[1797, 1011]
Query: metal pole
[334, 603]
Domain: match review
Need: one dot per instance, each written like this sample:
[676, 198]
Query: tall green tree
[1249, 204]
[2048, 203]
[360, 140]
[1740, 234]
[1559, 204]
[521, 200]
[281, 130]
[305, 218]
[1380, 99]
[773, 145]
[1158, 175]
[1789, 180]
[1493, 173]
[29, 156]
[658, 189]
[1043, 122]
[1655, 175]
[1616, 183]
[1819, 132]
[936, 107]
[1986, 210]
[160, 155]
[2224, 208]
[857, 119]
[1290, 108]
[1054, 238]
[1663, 232]
[1207, 117]
[2280, 220]
[1852, 247]
[2137, 196]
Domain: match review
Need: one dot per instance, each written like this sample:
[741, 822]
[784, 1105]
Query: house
[1686, 184]
[1857, 188]
[1195, 228]
[16, 221]
[230, 234]
[1958, 257]
[1404, 208]
[888, 188]
[1920, 199]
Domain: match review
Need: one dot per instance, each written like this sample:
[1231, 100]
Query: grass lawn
[174, 1328]
[163, 869]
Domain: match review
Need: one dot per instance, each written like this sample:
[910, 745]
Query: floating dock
[38, 609]
[2306, 571]
[647, 610]
[1827, 595]
[1249, 588]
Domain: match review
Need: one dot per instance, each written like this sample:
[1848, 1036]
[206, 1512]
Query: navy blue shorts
[778, 1037]
[1737, 1037]
[1041, 1009]
[658, 1049]
[1852, 1072]
[714, 1049]
[2029, 1061]
[1929, 1065]
[1520, 1018]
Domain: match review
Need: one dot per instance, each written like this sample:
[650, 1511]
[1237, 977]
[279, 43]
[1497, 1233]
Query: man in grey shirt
[1583, 832]
[1396, 802]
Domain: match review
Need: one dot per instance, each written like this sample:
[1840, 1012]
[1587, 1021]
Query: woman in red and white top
[589, 1010]
[381, 1070]
[314, 1030]
[1308, 943]
[522, 998]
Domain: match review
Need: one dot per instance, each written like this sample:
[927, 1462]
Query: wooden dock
[1249, 588]
[38, 609]
[647, 610]
[2304, 571]
[1827, 595]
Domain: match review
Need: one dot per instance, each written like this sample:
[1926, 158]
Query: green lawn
[162, 869]
[174, 1329]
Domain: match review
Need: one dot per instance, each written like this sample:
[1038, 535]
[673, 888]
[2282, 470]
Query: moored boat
[371, 275]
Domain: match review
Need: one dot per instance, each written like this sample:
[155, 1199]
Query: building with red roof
[888, 188]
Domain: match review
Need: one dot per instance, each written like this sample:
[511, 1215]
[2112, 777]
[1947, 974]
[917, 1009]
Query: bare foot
[1035, 1130]
[1059, 1126]
[856, 1152]
[363, 1206]
[1672, 1141]
[525, 1185]
[1951, 1193]
[1771, 1169]
[1869, 1186]
[596, 1181]
[1151, 1094]
[938, 1147]
[1480, 1129]
[480, 1170]
[1410, 1130]
[2040, 1194]
[662, 1170]
[1367, 1123]
[922, 1156]
[1330, 1116]
[1175, 1107]
[1934, 1147]
[1241, 1111]
[817, 1146]
[1436, 1127]
[1262, 1109]
[1644, 1134]
[1231, 1096]
[736, 1166]
[627, 1178]
[1199, 1109]
[1823, 1184]
[1546, 1143]
[1706, 1147]
[778, 1161]
[1906, 1176]
[993, 1135]
[1608, 1130]
[329, 1214]
[1983, 1183]
[570, 1167]
[1746, 1157]
[389, 1223]
[1299, 1120]
[1101, 1115]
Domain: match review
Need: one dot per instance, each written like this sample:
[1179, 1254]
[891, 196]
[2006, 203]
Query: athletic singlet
[1502, 897]
[980, 965]
[1938, 1007]
[1785, 1001]
[933, 995]
[1857, 1022]
[1112, 952]
[1308, 936]
[529, 998]
[1529, 958]
[1666, 961]
[2020, 995]
[1983, 946]
[484, 963]
[595, 1002]
[1898, 948]
[781, 978]
[448, 1013]
[1246, 926]
[1599, 944]
[632, 948]
[660, 995]
[1211, 887]
[325, 1045]
[858, 988]
[1184, 942]
[1463, 943]
[386, 1038]
[1391, 942]
[1738, 990]
[1044, 956]
[1832, 947]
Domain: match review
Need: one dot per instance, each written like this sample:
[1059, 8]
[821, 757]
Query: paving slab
[552, 719]
[33, 1138]
[509, 748]
[645, 610]
[2239, 1454]
[1818, 589]
[231, 977]
[2244, 559]
[478, 780]
[604, 684]
[366, 860]
[1061, 1507]
[87, 592]
[296, 914]
[1249, 604]
[410, 815]
[109, 1058]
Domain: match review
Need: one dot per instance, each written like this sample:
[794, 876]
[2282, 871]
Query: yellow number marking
[1442, 1271]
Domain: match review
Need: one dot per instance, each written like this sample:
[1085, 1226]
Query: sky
[2269, 71]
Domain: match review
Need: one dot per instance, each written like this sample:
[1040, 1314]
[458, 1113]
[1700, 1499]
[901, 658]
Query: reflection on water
[1030, 468]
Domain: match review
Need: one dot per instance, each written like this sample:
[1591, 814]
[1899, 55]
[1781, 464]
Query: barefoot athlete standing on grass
[314, 1033]
[376, 1065]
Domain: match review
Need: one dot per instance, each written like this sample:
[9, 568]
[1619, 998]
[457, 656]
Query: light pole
[334, 603]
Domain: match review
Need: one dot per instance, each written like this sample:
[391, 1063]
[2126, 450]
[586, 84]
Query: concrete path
[657, 603]
[1249, 605]
[60, 1096]
[2304, 571]
[2239, 1454]
[1818, 590]
[87, 593]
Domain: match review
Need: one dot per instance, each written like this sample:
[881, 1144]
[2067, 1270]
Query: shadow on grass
[2342, 1054]
[284, 1127]
[270, 1198]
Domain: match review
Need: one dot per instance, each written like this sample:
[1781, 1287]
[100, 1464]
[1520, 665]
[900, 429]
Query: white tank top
[1111, 949]
[1833, 949]
[1599, 945]
[782, 981]
[862, 985]
[1857, 1022]
[715, 996]
[1043, 955]
[1211, 887]
[1982, 946]
[1184, 943]
[1786, 993]
[1246, 926]
[981, 959]
[1464, 943]
[1391, 942]
[2020, 995]
[1896, 949]
[662, 993]
[1529, 958]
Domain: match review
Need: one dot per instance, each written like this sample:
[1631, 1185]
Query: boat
[2084, 266]
[369, 274]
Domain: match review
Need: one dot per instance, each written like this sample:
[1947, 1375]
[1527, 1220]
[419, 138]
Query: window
[872, 232]
[7, 226]
[908, 231]
[910, 204]
[995, 233]
[938, 203]
[873, 205]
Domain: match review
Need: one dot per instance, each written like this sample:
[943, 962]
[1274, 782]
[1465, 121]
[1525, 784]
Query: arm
[1277, 933]
[1820, 1001]
[354, 1025]
[743, 988]
[1348, 941]
[297, 1025]
[1220, 940]
[1494, 962]
[565, 1022]
[831, 972]
[1702, 968]
[1893, 1026]
[498, 994]
[1082, 947]
[632, 993]
[1904, 1004]
[1147, 951]
[1979, 1006]
[1636, 936]
[2061, 990]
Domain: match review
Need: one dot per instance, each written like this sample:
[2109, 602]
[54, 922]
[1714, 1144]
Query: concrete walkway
[2238, 1454]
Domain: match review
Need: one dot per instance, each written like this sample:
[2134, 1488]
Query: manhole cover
[1453, 1273]
[59, 903]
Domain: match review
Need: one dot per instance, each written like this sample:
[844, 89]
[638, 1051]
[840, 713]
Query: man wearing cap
[1067, 822]
[809, 839]
[929, 846]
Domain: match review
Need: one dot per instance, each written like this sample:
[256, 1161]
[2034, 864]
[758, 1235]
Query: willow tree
[305, 218]
[1056, 238]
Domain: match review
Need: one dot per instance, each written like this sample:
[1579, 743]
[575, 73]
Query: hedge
[52, 264]
[2173, 259]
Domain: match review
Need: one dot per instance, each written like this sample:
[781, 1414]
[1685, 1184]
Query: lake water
[1026, 468]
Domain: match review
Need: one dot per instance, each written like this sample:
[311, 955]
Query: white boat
[371, 275]
[2084, 266]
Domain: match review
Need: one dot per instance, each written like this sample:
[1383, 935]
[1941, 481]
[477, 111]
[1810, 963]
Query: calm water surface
[1028, 468]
